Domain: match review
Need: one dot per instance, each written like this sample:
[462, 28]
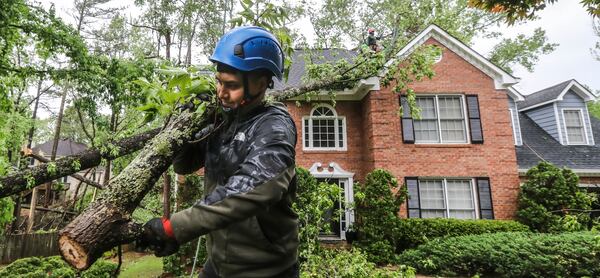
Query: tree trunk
[30, 177]
[106, 222]
[34, 115]
[31, 219]
[55, 144]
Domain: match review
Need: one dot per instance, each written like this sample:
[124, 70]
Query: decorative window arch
[323, 129]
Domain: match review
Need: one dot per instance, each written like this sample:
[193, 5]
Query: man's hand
[158, 236]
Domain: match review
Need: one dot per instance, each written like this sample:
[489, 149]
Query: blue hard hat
[250, 48]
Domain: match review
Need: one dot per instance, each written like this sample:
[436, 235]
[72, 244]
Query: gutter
[579, 172]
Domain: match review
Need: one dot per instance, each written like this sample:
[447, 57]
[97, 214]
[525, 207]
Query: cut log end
[73, 253]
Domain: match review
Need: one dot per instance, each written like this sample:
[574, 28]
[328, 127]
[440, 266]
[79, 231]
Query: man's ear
[263, 83]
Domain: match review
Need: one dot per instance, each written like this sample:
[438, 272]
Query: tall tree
[516, 10]
[522, 50]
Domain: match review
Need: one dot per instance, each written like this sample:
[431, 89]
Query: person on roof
[249, 166]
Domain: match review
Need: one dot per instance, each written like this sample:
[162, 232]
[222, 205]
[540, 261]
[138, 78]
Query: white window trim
[514, 117]
[336, 117]
[475, 194]
[585, 133]
[559, 129]
[465, 119]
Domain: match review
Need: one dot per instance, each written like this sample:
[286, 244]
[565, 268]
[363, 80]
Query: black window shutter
[408, 131]
[474, 119]
[413, 202]
[484, 191]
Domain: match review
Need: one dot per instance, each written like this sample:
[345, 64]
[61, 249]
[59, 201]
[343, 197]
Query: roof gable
[555, 93]
[502, 79]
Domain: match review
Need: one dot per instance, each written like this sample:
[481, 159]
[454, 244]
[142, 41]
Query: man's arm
[261, 181]
[190, 158]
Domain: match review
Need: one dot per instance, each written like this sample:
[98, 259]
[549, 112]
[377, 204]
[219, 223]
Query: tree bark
[106, 222]
[30, 177]
[75, 176]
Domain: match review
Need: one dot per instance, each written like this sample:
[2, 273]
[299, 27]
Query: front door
[338, 217]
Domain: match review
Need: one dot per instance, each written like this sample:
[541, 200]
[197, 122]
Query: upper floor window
[574, 126]
[324, 130]
[442, 120]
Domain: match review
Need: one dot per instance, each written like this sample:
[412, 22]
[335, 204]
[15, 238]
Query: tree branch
[75, 176]
[16, 182]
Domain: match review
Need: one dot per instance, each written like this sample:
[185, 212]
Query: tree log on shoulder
[106, 222]
[20, 181]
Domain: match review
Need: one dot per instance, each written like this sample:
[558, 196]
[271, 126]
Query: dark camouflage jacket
[249, 188]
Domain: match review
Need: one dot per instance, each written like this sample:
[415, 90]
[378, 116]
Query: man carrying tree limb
[249, 167]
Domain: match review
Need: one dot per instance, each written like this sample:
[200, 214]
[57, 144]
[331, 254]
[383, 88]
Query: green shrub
[377, 215]
[38, 267]
[101, 268]
[413, 232]
[347, 264]
[509, 255]
[313, 200]
[548, 192]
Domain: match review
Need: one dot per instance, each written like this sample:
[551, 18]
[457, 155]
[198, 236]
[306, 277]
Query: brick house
[463, 158]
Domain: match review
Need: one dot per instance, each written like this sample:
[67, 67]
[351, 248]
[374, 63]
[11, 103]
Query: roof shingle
[538, 144]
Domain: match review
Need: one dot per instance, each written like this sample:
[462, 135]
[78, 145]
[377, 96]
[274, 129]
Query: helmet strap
[247, 96]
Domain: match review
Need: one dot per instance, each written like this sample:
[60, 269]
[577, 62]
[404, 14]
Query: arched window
[324, 130]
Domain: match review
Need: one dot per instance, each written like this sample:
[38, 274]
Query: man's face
[230, 88]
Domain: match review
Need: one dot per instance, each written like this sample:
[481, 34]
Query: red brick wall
[350, 160]
[375, 139]
[495, 158]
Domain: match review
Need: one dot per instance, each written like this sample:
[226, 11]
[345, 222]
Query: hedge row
[413, 232]
[509, 255]
[54, 267]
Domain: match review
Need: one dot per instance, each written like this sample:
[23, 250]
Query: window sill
[445, 145]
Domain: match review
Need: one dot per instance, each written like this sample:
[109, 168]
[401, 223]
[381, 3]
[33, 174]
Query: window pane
[306, 133]
[432, 194]
[450, 107]
[574, 125]
[426, 131]
[460, 199]
[433, 213]
[322, 111]
[453, 130]
[427, 105]
[340, 133]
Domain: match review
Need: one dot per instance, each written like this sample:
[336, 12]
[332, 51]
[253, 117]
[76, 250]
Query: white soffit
[502, 79]
[354, 94]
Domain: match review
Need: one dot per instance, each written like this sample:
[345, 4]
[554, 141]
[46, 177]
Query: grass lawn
[140, 265]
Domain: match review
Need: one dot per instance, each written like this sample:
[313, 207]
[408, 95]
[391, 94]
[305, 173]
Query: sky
[566, 22]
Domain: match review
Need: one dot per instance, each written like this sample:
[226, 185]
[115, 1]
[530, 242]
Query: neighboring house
[557, 127]
[463, 157]
[65, 147]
